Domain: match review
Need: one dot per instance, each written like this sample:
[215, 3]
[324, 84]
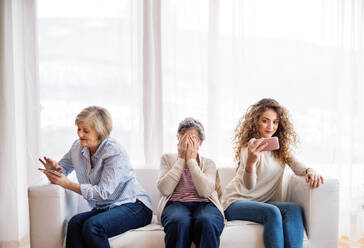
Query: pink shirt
[185, 190]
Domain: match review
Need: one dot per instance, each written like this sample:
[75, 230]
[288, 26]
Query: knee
[178, 220]
[74, 222]
[272, 213]
[209, 222]
[293, 209]
[233, 212]
[91, 227]
[204, 220]
[181, 220]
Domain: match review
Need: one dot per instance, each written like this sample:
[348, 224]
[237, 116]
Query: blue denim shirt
[110, 181]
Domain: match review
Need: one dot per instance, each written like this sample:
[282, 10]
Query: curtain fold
[213, 109]
[152, 82]
[19, 117]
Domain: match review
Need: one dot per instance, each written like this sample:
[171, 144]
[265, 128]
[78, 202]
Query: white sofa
[51, 207]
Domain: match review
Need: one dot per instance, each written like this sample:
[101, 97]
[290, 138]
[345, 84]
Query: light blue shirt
[110, 181]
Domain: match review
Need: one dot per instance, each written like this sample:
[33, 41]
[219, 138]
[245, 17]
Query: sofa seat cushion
[235, 232]
[150, 236]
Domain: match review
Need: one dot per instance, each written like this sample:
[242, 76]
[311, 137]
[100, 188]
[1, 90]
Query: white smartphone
[51, 171]
[273, 143]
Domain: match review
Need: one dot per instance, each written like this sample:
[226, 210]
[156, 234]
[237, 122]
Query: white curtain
[152, 82]
[91, 53]
[19, 117]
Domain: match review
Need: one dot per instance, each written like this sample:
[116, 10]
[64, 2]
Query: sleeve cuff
[249, 180]
[177, 169]
[308, 171]
[86, 191]
[64, 171]
[192, 162]
[181, 163]
[180, 160]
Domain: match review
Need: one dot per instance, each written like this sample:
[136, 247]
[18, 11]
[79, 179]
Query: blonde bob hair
[99, 118]
[248, 128]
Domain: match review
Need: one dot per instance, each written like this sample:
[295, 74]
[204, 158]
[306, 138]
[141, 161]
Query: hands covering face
[188, 146]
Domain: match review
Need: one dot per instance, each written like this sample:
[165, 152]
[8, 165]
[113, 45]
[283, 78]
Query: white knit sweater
[263, 184]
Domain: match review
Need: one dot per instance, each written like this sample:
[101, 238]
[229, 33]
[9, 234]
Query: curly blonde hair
[248, 128]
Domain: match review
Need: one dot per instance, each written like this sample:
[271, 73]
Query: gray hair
[191, 123]
[99, 118]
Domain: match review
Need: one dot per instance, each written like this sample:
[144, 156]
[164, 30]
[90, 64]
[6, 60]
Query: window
[89, 54]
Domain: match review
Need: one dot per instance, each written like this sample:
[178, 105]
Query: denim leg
[74, 229]
[207, 226]
[97, 229]
[292, 223]
[176, 220]
[263, 213]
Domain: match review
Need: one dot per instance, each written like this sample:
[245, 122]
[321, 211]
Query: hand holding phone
[272, 143]
[59, 174]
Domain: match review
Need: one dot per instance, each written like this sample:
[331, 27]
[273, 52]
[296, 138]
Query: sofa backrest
[148, 179]
[226, 174]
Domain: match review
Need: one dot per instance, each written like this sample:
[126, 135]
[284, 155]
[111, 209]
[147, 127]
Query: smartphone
[51, 171]
[273, 144]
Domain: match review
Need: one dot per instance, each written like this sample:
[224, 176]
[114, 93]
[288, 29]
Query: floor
[345, 242]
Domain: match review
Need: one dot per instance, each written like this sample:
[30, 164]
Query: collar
[87, 154]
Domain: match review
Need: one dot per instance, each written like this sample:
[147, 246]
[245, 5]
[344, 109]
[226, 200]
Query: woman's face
[88, 135]
[268, 123]
[191, 132]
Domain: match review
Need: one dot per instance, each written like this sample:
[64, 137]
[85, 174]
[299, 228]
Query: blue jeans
[283, 224]
[93, 228]
[184, 222]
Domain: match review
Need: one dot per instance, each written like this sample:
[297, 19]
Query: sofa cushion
[235, 232]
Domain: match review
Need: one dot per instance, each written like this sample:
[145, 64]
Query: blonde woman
[106, 181]
[190, 209]
[254, 194]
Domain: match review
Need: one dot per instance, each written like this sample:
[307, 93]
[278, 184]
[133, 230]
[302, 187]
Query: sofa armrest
[50, 208]
[320, 207]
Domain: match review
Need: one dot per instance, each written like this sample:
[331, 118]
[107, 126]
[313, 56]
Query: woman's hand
[64, 182]
[313, 178]
[192, 147]
[255, 146]
[182, 147]
[61, 181]
[50, 164]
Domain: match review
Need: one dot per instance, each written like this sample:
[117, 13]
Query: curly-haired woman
[254, 194]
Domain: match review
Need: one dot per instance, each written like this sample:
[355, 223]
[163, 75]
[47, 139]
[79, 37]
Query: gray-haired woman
[106, 181]
[189, 209]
